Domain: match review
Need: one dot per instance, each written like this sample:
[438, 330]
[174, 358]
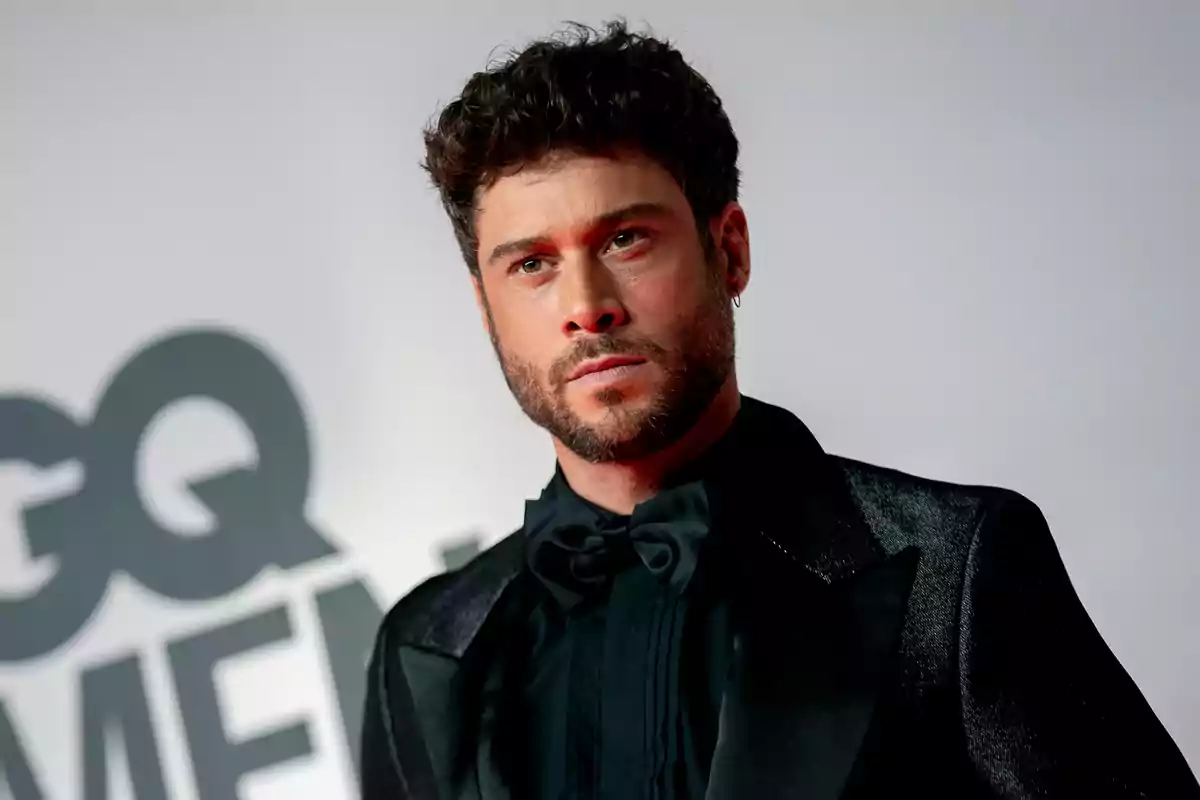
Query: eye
[528, 266]
[625, 239]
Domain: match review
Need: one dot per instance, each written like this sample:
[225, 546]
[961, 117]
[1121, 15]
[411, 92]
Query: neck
[621, 485]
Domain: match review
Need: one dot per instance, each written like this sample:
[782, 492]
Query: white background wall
[974, 232]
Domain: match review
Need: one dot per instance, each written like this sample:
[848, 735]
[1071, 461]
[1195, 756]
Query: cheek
[663, 298]
[524, 332]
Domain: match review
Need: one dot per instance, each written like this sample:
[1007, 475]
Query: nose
[590, 298]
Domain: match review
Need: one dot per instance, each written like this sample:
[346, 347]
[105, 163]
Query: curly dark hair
[589, 92]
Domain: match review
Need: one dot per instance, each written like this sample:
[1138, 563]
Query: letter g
[36, 432]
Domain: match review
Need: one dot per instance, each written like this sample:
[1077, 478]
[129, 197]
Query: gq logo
[103, 528]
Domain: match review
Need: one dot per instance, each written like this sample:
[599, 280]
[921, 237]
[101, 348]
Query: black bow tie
[575, 549]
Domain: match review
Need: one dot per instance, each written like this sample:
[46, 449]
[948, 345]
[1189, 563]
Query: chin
[600, 404]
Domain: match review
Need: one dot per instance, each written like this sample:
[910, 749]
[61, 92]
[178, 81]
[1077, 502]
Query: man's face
[613, 326]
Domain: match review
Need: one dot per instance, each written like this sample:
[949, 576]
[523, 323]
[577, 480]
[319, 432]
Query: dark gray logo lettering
[15, 772]
[220, 764]
[104, 527]
[114, 698]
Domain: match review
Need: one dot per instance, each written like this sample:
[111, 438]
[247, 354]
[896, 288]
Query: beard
[696, 366]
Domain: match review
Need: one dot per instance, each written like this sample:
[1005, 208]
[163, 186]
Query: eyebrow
[617, 216]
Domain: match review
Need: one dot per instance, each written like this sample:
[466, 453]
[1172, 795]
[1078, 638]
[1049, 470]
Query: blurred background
[246, 403]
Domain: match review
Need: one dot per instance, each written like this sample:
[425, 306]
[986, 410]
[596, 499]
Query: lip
[601, 364]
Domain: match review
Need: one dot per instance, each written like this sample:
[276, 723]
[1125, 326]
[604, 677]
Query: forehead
[562, 193]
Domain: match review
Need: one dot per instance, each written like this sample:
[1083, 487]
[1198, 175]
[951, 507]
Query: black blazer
[910, 638]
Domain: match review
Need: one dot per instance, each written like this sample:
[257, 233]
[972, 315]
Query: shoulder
[443, 612]
[904, 509]
[973, 541]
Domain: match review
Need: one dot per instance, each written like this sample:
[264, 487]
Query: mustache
[597, 346]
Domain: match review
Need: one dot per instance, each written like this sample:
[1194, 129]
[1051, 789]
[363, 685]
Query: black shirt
[623, 679]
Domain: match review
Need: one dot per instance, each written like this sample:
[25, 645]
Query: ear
[481, 303]
[731, 237]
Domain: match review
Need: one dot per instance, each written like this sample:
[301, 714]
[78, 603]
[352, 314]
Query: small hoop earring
[737, 301]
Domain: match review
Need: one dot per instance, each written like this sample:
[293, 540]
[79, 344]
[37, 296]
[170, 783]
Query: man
[702, 603]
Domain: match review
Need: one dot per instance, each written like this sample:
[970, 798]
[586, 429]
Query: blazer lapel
[800, 698]
[820, 609]
[449, 662]
[435, 681]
